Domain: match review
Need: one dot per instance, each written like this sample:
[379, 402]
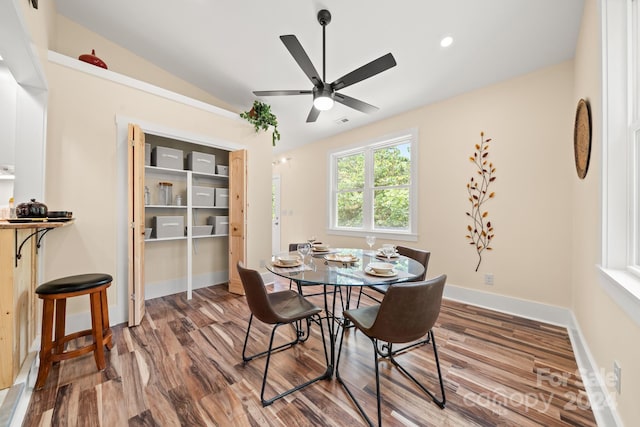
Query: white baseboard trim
[602, 403]
[26, 380]
[170, 287]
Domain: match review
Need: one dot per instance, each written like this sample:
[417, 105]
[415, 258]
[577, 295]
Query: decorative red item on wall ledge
[93, 59]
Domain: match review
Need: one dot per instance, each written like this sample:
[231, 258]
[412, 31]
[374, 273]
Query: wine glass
[371, 240]
[311, 240]
[303, 250]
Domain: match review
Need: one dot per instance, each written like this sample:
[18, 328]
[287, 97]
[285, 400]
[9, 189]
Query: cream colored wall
[81, 162]
[610, 333]
[81, 148]
[73, 40]
[81, 167]
[530, 122]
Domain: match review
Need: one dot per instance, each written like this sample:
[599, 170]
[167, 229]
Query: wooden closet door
[136, 224]
[237, 217]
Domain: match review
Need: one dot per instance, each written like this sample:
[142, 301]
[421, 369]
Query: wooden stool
[94, 285]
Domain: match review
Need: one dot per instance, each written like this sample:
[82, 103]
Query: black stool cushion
[80, 282]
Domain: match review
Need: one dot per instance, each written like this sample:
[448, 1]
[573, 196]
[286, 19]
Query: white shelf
[210, 175]
[210, 207]
[209, 236]
[165, 207]
[165, 239]
[166, 171]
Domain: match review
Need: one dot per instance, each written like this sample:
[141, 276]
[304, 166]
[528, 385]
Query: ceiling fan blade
[281, 92]
[295, 48]
[371, 69]
[356, 104]
[313, 115]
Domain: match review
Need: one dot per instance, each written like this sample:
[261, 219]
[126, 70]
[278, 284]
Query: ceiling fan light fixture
[323, 100]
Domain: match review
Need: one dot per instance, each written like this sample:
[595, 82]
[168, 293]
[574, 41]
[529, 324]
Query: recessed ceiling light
[446, 41]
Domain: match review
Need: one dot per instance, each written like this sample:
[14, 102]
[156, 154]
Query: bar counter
[19, 243]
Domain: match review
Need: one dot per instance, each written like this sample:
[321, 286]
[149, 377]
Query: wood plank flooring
[183, 366]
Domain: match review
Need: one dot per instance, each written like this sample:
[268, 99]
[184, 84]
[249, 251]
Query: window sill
[624, 288]
[407, 237]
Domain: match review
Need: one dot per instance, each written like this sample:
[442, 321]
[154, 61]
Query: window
[621, 154]
[374, 188]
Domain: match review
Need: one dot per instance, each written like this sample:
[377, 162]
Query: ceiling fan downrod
[324, 18]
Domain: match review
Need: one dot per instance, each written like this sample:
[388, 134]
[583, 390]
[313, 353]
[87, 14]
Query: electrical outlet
[488, 279]
[617, 376]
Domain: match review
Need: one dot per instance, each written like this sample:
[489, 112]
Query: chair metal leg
[284, 346]
[440, 402]
[362, 292]
[384, 352]
[270, 350]
[390, 354]
[348, 390]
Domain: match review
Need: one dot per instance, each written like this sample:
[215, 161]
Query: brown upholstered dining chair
[279, 308]
[407, 313]
[417, 254]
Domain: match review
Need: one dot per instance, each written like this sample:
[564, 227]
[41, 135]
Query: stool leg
[61, 310]
[106, 329]
[46, 344]
[96, 330]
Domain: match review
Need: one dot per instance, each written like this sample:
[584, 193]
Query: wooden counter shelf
[19, 243]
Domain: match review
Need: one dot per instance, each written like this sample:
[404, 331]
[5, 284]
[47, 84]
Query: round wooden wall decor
[582, 138]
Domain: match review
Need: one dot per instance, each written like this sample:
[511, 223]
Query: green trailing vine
[261, 117]
[480, 231]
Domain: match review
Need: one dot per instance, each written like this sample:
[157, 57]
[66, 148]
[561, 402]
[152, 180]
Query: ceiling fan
[324, 94]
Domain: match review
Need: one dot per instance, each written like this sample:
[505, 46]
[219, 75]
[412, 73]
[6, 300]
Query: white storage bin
[168, 226]
[201, 162]
[222, 170]
[222, 197]
[220, 224]
[201, 230]
[165, 157]
[202, 196]
[147, 154]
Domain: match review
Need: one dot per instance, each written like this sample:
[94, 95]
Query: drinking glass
[311, 240]
[371, 240]
[303, 250]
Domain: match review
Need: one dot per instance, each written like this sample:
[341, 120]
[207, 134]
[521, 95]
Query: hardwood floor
[183, 366]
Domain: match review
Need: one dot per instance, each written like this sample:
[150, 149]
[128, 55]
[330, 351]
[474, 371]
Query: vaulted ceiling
[231, 48]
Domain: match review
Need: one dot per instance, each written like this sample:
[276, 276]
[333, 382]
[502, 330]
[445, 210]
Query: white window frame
[620, 156]
[368, 147]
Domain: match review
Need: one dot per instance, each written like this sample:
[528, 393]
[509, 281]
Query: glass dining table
[338, 272]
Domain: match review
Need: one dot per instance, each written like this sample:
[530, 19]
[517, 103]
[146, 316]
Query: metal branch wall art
[480, 231]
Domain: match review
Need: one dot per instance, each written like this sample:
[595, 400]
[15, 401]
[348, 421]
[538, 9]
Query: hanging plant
[261, 117]
[480, 231]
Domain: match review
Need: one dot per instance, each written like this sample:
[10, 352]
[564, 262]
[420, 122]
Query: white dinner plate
[372, 272]
[295, 264]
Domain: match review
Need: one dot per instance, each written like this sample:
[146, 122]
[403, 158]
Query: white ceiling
[231, 48]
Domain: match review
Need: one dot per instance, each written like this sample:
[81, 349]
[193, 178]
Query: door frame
[277, 212]
[120, 312]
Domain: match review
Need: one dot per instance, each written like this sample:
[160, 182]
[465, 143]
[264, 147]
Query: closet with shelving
[180, 208]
